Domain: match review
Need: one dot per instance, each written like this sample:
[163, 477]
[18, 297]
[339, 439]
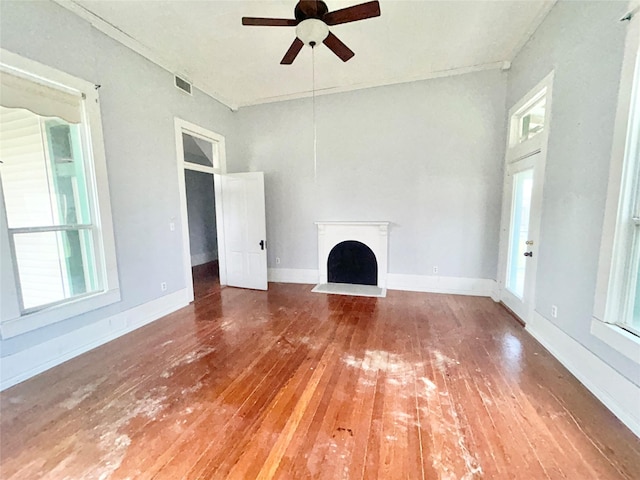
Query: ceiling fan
[312, 22]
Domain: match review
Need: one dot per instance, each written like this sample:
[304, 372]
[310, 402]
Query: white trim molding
[132, 43]
[182, 126]
[293, 275]
[619, 394]
[480, 287]
[618, 338]
[529, 154]
[452, 72]
[28, 363]
[33, 321]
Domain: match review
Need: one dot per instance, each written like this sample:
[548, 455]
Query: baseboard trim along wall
[293, 275]
[480, 287]
[413, 283]
[32, 361]
[200, 258]
[616, 392]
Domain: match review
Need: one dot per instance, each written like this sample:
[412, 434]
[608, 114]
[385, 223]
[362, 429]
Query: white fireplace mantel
[374, 235]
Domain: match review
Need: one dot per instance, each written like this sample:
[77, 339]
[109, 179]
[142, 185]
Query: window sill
[618, 338]
[33, 321]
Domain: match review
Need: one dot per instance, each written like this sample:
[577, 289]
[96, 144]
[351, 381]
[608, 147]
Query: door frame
[182, 126]
[514, 153]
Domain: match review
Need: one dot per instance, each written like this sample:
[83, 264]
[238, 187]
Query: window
[54, 196]
[519, 231]
[528, 121]
[47, 208]
[531, 121]
[623, 299]
[616, 316]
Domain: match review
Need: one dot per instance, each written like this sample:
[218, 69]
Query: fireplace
[352, 258]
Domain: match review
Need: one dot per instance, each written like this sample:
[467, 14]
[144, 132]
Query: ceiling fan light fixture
[312, 31]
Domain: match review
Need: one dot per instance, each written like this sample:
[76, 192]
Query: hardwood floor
[206, 279]
[290, 384]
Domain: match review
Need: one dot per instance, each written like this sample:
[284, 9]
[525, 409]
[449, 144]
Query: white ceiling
[412, 39]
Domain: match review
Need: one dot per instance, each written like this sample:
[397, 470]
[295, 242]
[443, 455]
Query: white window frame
[17, 323]
[518, 149]
[614, 264]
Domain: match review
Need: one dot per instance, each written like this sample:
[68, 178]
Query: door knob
[528, 254]
[261, 244]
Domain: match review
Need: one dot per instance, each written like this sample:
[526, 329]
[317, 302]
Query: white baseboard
[32, 361]
[495, 293]
[200, 258]
[481, 287]
[293, 275]
[616, 392]
[413, 283]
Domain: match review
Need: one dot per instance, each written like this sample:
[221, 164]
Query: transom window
[531, 121]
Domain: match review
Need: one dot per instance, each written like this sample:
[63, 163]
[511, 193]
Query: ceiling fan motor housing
[310, 9]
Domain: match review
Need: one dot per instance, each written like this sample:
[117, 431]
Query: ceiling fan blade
[337, 47]
[269, 22]
[292, 53]
[352, 14]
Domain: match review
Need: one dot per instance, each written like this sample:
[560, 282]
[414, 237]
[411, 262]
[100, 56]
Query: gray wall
[201, 209]
[426, 156]
[583, 42]
[138, 102]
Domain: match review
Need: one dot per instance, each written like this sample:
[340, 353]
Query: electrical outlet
[435, 269]
[163, 286]
[554, 311]
[277, 260]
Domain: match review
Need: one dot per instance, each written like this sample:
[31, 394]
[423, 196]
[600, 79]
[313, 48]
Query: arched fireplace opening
[352, 262]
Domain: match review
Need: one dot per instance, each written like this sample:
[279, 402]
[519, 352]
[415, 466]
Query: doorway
[201, 162]
[529, 122]
[201, 214]
[238, 208]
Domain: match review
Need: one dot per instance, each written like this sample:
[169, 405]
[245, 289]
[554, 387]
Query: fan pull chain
[313, 101]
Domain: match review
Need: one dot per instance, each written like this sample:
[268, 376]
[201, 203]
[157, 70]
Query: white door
[521, 236]
[245, 230]
[529, 122]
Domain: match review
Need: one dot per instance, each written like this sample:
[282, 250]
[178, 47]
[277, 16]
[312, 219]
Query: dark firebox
[352, 262]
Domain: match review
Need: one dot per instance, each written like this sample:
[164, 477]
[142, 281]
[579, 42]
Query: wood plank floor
[289, 384]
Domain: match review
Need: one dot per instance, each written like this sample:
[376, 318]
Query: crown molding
[130, 42]
[380, 83]
[531, 30]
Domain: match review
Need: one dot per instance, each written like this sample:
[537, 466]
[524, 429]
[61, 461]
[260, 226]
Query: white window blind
[17, 92]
